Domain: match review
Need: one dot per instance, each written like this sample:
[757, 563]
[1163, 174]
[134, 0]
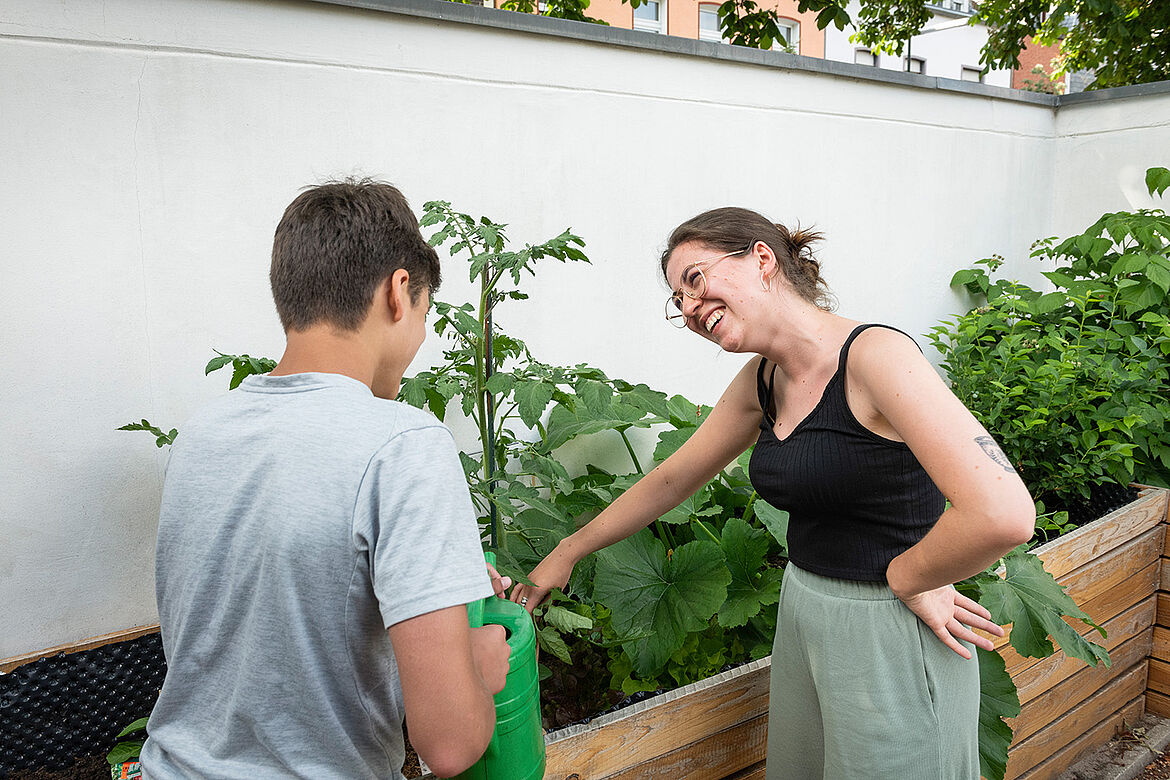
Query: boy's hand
[489, 648]
[499, 583]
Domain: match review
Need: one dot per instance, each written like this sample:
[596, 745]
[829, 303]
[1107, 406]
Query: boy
[317, 544]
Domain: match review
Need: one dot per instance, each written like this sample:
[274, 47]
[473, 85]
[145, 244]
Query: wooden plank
[1163, 617]
[1114, 568]
[1158, 703]
[1159, 680]
[711, 758]
[1161, 649]
[692, 713]
[1081, 719]
[1053, 703]
[1103, 609]
[1108, 728]
[1049, 672]
[1091, 541]
[1091, 580]
[8, 664]
[753, 772]
[1164, 580]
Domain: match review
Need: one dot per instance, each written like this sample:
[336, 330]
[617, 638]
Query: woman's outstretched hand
[951, 616]
[552, 572]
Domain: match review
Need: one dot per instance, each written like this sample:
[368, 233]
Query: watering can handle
[475, 608]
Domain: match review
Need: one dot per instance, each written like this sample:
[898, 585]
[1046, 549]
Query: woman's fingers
[529, 596]
[977, 621]
[971, 605]
[959, 631]
[947, 639]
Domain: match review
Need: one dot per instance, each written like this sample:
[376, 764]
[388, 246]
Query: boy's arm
[449, 673]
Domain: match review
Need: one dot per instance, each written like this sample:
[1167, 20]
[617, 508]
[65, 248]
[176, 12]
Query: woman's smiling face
[718, 309]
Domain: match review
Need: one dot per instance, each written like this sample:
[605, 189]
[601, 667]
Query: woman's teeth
[713, 320]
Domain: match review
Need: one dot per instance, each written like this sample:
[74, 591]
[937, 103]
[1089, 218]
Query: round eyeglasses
[693, 283]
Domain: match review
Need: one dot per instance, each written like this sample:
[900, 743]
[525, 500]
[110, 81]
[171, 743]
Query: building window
[789, 35]
[957, 5]
[914, 65]
[972, 74]
[651, 16]
[709, 22]
[865, 57]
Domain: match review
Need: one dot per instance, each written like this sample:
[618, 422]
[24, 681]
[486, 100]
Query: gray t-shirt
[301, 517]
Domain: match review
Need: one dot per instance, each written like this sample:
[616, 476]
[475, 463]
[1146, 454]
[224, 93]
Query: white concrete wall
[148, 150]
[945, 51]
[1103, 150]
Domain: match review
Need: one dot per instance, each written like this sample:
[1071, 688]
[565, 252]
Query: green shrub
[1073, 382]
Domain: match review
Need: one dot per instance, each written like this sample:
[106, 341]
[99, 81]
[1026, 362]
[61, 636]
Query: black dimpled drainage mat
[58, 708]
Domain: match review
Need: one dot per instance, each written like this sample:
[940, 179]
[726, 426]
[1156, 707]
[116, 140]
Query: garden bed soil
[84, 768]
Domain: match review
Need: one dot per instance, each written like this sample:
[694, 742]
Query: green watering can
[516, 751]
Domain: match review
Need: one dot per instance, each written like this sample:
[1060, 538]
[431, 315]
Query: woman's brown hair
[730, 228]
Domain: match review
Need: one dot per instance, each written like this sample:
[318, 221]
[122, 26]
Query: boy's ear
[396, 288]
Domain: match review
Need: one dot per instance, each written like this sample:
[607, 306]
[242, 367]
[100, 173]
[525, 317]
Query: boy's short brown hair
[336, 243]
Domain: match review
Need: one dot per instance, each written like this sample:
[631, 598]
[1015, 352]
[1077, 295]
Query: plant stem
[630, 448]
[665, 533]
[706, 530]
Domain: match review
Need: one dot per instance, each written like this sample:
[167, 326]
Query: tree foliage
[1123, 41]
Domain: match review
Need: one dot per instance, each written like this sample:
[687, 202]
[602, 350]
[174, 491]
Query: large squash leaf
[752, 584]
[663, 597]
[1033, 602]
[998, 700]
[694, 507]
[775, 520]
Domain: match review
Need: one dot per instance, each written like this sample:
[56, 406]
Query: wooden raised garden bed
[717, 729]
[1112, 569]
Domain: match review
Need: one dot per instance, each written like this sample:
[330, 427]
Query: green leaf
[596, 395]
[775, 520]
[1048, 302]
[665, 597]
[567, 620]
[565, 424]
[649, 401]
[217, 363]
[688, 509]
[501, 383]
[1032, 601]
[683, 413]
[997, 700]
[1157, 180]
[413, 392]
[551, 641]
[752, 584]
[125, 751]
[533, 397]
[670, 441]
[137, 725]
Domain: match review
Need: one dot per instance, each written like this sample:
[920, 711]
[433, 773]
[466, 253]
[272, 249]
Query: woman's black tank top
[856, 500]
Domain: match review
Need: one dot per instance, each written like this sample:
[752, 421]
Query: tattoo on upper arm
[994, 452]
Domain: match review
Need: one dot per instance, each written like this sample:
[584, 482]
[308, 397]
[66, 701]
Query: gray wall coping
[448, 11]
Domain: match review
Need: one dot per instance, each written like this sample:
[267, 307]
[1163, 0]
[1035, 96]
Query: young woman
[857, 436]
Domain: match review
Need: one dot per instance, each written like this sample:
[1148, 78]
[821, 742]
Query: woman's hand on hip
[951, 616]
